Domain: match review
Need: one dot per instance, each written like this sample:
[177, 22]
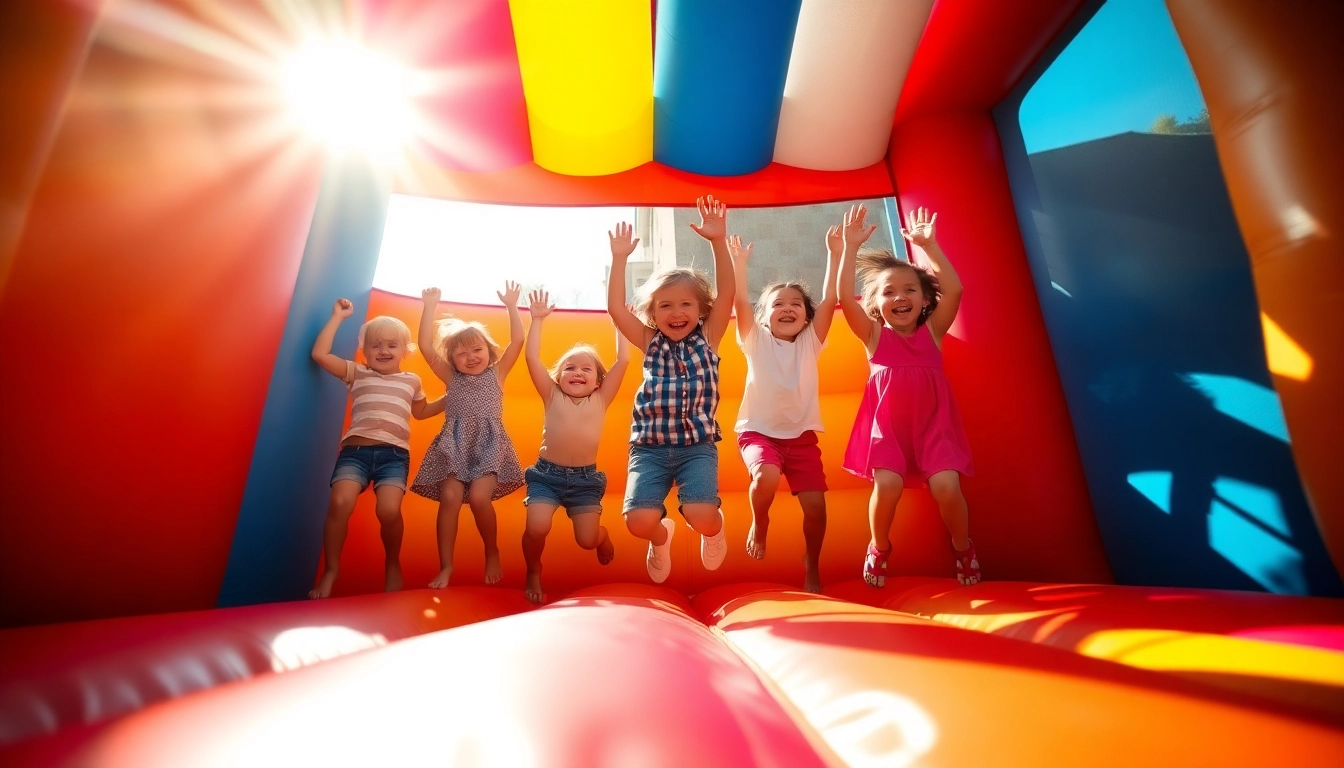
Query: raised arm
[855, 232]
[334, 364]
[425, 336]
[512, 291]
[539, 306]
[623, 243]
[612, 383]
[746, 315]
[835, 246]
[714, 228]
[919, 231]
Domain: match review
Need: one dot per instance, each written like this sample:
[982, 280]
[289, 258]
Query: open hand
[857, 230]
[539, 304]
[511, 293]
[737, 250]
[623, 241]
[431, 297]
[919, 227]
[343, 308]
[713, 218]
[835, 239]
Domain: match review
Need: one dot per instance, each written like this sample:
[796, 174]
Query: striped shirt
[381, 404]
[676, 403]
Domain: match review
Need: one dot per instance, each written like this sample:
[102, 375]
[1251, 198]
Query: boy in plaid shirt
[678, 325]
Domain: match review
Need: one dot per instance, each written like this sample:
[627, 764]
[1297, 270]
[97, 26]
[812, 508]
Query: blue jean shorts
[654, 468]
[577, 489]
[377, 464]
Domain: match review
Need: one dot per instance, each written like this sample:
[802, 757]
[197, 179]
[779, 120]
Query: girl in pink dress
[908, 431]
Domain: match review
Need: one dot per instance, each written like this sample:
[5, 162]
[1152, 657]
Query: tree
[1169, 125]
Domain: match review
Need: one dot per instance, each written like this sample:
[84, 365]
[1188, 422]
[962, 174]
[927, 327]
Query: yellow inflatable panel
[587, 69]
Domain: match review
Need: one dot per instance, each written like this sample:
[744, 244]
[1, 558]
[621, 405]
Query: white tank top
[781, 396]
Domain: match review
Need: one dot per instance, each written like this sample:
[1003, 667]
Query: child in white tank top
[780, 417]
[576, 392]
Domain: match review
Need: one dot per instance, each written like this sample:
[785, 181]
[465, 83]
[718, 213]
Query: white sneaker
[659, 559]
[713, 548]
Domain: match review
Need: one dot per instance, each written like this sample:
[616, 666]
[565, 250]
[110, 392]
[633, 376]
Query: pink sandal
[875, 566]
[968, 565]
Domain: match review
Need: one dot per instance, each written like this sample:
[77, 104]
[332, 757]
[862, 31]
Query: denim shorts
[577, 489]
[379, 464]
[654, 468]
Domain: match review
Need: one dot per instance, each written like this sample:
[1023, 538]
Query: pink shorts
[798, 458]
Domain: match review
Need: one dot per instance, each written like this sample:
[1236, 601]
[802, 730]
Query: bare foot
[493, 573]
[324, 584]
[812, 581]
[605, 550]
[392, 578]
[756, 541]
[533, 590]
[441, 580]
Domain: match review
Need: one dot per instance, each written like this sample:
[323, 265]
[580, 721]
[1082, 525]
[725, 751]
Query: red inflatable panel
[1006, 38]
[1288, 650]
[1030, 514]
[610, 679]
[883, 688]
[651, 184]
[60, 675]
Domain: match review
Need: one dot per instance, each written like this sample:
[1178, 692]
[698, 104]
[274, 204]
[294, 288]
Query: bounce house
[1148, 360]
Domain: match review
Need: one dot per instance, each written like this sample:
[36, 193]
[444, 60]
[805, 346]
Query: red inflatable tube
[609, 678]
[885, 688]
[61, 675]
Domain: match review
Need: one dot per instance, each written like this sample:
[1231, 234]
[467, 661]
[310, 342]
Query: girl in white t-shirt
[780, 417]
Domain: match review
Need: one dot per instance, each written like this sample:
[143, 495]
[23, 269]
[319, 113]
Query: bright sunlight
[468, 250]
[351, 98]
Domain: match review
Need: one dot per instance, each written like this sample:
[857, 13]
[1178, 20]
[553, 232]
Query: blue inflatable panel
[718, 81]
[278, 540]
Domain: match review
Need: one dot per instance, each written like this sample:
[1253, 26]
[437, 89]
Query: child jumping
[780, 416]
[908, 430]
[376, 447]
[576, 392]
[678, 325]
[472, 458]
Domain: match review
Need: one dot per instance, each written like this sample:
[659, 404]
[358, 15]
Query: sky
[468, 250]
[1124, 69]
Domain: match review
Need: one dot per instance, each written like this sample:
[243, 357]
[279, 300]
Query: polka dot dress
[472, 443]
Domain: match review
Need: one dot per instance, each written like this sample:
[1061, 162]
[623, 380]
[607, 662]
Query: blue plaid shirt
[676, 403]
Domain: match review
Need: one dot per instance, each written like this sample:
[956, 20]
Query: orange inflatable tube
[1277, 117]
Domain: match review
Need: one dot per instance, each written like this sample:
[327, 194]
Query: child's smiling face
[900, 298]
[384, 353]
[471, 357]
[676, 310]
[577, 376]
[788, 314]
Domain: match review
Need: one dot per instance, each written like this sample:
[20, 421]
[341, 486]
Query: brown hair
[763, 308]
[873, 262]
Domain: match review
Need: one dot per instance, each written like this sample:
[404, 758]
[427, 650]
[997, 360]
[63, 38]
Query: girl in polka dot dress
[472, 458]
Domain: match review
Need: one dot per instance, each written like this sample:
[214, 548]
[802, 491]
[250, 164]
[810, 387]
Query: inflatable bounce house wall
[171, 243]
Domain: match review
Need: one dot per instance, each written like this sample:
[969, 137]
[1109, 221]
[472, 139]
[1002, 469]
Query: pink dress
[908, 421]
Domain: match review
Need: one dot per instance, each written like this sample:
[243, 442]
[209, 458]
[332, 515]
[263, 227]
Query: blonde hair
[454, 332]
[872, 262]
[383, 325]
[667, 278]
[575, 351]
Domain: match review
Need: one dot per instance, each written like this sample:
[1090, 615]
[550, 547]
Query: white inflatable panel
[849, 61]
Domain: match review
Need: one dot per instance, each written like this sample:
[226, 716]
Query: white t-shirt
[781, 397]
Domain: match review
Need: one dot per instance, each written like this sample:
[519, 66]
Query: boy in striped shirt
[376, 448]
